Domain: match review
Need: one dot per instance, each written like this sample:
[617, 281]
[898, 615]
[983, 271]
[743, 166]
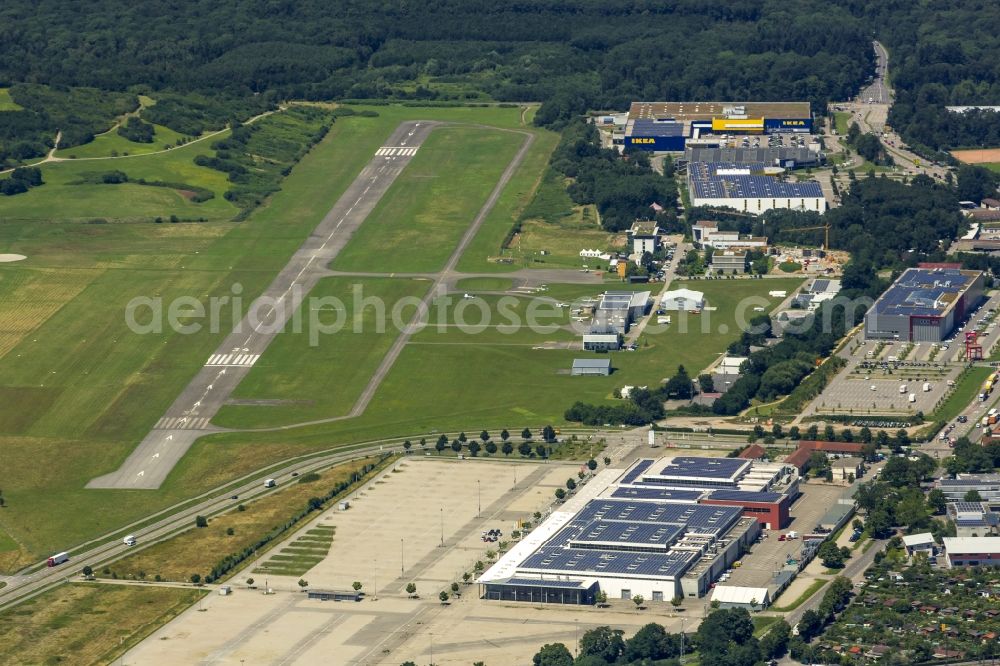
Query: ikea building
[667, 126]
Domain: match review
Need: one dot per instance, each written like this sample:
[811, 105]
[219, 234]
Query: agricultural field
[416, 225]
[87, 623]
[199, 549]
[82, 389]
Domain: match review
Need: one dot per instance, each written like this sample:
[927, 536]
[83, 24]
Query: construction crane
[826, 234]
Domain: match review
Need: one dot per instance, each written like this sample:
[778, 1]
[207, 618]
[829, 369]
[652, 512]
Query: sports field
[80, 389]
[984, 156]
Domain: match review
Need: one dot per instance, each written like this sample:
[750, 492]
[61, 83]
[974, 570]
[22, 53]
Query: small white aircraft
[467, 296]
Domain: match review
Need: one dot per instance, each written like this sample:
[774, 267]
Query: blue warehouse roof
[644, 127]
[538, 582]
[924, 292]
[598, 562]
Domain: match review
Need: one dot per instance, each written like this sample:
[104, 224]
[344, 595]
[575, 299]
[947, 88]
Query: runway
[188, 418]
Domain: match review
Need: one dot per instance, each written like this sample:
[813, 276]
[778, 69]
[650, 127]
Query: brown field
[87, 624]
[977, 156]
[198, 550]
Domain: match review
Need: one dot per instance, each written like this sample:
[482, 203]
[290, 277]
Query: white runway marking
[185, 423]
[396, 151]
[244, 360]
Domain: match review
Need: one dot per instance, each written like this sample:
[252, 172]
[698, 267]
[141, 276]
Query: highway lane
[189, 417]
[163, 524]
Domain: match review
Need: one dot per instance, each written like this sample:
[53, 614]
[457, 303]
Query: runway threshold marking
[182, 423]
[396, 151]
[232, 360]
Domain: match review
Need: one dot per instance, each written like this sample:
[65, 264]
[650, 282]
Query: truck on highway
[129, 540]
[270, 483]
[57, 559]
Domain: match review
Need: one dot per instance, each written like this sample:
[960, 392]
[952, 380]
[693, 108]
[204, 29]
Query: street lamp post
[442, 527]
[479, 499]
[401, 559]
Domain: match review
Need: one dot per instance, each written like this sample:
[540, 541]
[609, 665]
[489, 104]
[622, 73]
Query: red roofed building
[753, 452]
[800, 457]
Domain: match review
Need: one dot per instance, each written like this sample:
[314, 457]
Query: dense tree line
[724, 638]
[135, 130]
[622, 189]
[20, 180]
[883, 223]
[572, 56]
[642, 406]
[77, 113]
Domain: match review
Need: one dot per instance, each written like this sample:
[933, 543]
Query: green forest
[206, 63]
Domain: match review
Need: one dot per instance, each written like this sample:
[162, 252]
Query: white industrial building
[683, 299]
[660, 529]
[750, 188]
[735, 596]
[972, 551]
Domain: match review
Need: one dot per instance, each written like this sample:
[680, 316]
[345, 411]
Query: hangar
[924, 305]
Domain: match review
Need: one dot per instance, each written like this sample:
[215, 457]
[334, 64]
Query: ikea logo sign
[793, 123]
[643, 140]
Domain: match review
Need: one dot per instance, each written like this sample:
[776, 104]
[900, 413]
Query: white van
[129, 540]
[270, 483]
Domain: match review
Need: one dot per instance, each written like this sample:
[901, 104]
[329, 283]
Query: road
[189, 417]
[668, 277]
[167, 522]
[870, 110]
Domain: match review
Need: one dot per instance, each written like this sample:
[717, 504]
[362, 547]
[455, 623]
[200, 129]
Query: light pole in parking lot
[401, 569]
[442, 527]
[479, 499]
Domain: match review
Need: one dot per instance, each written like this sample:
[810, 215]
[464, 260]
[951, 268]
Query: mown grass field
[80, 390]
[198, 550]
[418, 222]
[6, 103]
[325, 379]
[448, 378]
[112, 144]
[300, 555]
[64, 198]
[87, 623]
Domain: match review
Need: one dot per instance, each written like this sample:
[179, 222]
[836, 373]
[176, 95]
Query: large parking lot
[392, 536]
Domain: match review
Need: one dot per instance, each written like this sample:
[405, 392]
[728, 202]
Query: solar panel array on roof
[709, 183]
[538, 582]
[671, 494]
[636, 470]
[704, 468]
[744, 496]
[627, 533]
[924, 292]
[969, 507]
[623, 537]
[596, 562]
[650, 127]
